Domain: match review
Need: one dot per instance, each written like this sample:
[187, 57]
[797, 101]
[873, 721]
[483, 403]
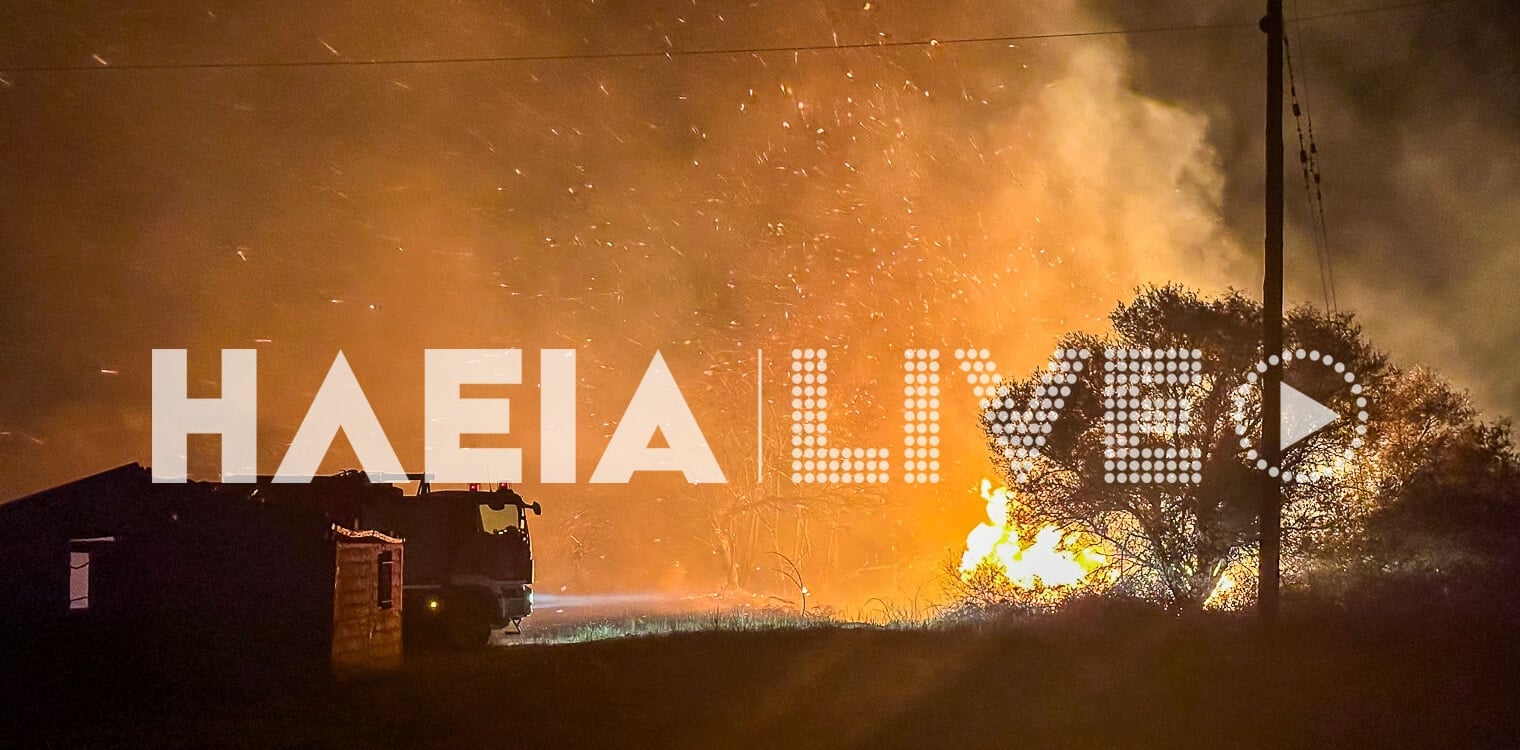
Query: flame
[1051, 564]
[1051, 559]
[1236, 588]
[1221, 592]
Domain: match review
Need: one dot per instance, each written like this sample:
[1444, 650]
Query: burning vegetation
[1042, 564]
[1039, 559]
[1061, 527]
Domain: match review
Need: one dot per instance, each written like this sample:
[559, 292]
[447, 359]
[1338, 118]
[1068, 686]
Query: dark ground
[1100, 678]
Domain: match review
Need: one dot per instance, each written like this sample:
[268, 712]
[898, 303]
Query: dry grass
[649, 625]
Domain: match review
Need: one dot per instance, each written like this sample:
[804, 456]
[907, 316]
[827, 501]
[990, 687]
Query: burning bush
[1066, 528]
[1009, 562]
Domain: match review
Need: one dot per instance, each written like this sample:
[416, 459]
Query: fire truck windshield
[499, 521]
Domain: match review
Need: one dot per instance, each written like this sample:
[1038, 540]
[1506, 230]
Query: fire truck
[469, 560]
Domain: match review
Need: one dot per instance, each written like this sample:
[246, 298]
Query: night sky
[993, 195]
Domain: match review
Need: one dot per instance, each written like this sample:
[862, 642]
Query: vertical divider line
[759, 416]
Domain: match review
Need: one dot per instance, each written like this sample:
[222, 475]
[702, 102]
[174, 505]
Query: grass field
[1101, 678]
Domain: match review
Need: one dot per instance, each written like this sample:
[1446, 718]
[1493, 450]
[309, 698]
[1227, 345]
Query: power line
[1308, 159]
[648, 54]
[1319, 195]
[675, 53]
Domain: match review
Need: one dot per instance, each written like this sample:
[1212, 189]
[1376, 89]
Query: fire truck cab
[469, 561]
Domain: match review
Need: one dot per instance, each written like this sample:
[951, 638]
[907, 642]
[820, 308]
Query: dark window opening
[383, 581]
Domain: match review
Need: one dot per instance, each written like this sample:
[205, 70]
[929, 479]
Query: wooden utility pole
[1271, 329]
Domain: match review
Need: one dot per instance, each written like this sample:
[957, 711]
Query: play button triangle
[1301, 416]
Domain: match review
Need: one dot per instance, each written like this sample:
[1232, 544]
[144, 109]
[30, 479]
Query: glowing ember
[1050, 559]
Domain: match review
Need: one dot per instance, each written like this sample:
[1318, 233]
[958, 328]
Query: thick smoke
[1414, 111]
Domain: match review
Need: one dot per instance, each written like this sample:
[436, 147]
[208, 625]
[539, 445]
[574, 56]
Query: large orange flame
[1052, 558]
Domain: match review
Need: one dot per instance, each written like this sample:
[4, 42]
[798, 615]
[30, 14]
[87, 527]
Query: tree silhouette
[1173, 541]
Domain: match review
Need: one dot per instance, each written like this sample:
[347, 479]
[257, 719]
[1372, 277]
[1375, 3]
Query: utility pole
[1271, 330]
